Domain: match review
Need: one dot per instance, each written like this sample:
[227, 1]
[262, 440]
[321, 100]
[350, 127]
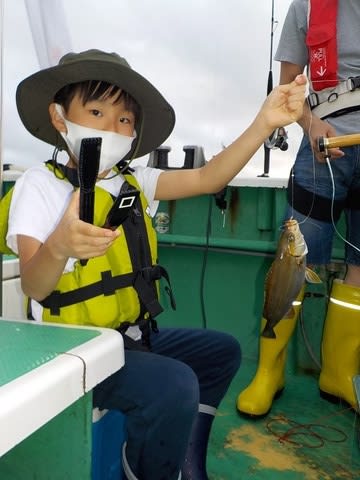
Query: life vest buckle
[54, 308]
[313, 99]
[151, 273]
[107, 283]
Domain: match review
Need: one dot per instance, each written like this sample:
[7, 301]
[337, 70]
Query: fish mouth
[291, 223]
[297, 246]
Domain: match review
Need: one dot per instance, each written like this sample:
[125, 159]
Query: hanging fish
[286, 277]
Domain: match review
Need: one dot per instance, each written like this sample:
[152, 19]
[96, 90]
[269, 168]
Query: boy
[170, 390]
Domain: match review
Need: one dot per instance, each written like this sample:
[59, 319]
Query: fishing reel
[278, 139]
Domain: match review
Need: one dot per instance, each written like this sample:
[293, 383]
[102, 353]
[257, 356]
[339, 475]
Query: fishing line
[313, 435]
[313, 179]
[310, 431]
[307, 341]
[327, 158]
[292, 180]
[308, 346]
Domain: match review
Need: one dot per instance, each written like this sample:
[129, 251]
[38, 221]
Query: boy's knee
[181, 387]
[235, 350]
[230, 351]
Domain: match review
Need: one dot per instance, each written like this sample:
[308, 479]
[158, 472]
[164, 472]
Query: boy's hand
[78, 239]
[284, 104]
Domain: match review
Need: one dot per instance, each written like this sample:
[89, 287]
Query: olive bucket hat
[35, 93]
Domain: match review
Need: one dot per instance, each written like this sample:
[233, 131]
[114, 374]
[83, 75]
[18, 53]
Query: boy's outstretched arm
[284, 105]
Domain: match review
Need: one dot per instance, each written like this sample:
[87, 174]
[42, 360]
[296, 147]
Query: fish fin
[290, 313]
[311, 276]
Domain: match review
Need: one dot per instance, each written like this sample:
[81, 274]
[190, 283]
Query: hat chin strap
[138, 140]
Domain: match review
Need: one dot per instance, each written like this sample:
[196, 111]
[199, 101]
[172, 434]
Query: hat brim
[35, 93]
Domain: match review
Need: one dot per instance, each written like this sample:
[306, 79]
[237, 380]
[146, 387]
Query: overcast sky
[210, 59]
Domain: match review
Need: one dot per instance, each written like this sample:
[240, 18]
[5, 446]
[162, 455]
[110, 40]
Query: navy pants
[160, 392]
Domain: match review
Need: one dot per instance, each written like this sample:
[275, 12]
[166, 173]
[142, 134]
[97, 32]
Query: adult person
[319, 35]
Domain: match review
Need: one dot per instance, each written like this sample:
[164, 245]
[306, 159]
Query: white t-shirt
[40, 199]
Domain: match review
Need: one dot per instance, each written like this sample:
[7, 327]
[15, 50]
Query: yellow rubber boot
[340, 348]
[257, 398]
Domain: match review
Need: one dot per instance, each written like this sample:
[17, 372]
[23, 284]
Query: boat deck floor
[304, 437]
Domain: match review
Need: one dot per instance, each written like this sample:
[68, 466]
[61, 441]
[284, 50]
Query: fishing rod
[278, 139]
[325, 143]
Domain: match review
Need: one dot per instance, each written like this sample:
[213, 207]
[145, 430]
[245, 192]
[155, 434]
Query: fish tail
[268, 332]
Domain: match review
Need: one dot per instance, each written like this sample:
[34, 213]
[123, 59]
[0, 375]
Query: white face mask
[114, 146]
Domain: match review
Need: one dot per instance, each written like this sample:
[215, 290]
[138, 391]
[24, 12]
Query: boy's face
[102, 114]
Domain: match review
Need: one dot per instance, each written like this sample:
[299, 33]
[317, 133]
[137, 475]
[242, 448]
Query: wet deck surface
[303, 437]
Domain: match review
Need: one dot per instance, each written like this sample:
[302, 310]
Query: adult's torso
[292, 48]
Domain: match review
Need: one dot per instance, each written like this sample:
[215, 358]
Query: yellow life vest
[4, 221]
[118, 288]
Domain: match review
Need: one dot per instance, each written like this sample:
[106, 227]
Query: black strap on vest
[146, 327]
[72, 176]
[341, 111]
[142, 278]
[108, 285]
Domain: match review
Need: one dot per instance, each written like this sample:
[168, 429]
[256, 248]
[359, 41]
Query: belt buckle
[354, 83]
[151, 273]
[332, 97]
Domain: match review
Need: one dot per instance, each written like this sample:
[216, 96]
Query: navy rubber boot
[194, 467]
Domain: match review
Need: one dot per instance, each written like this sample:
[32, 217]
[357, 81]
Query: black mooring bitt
[194, 157]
